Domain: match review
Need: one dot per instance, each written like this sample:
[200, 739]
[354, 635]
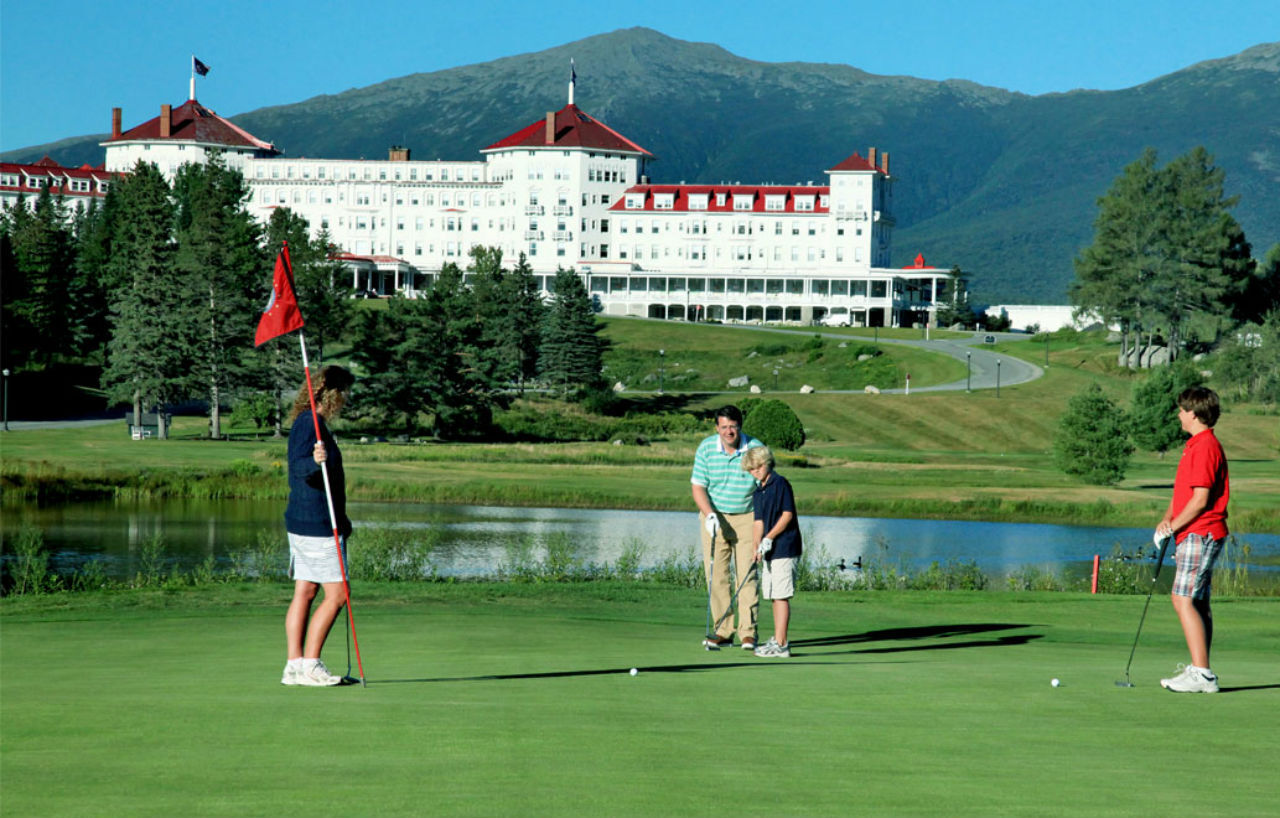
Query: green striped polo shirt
[722, 476]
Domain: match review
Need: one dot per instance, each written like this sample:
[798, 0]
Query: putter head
[1124, 683]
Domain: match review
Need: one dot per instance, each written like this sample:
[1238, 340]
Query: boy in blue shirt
[778, 544]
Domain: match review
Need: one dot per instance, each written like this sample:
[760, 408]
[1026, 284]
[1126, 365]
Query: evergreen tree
[571, 356]
[468, 381]
[1260, 294]
[222, 269]
[1153, 413]
[1206, 261]
[38, 279]
[91, 281]
[149, 354]
[523, 303]
[1092, 441]
[399, 358]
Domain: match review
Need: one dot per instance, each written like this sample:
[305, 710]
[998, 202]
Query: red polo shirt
[1203, 465]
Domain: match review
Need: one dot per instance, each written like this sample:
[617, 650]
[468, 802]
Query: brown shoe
[749, 643]
[717, 642]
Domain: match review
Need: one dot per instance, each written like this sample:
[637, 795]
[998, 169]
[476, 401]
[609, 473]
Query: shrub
[1092, 442]
[774, 423]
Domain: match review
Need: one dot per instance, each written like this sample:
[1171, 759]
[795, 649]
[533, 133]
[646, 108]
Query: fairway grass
[515, 700]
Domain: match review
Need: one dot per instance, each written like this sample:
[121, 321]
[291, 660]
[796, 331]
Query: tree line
[161, 285]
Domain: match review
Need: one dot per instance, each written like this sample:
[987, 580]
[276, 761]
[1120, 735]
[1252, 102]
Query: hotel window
[664, 201]
[804, 203]
[697, 201]
[742, 202]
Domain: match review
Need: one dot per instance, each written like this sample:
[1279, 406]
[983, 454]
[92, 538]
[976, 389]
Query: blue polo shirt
[770, 500]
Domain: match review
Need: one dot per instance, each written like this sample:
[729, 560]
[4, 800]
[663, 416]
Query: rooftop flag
[281, 315]
[199, 67]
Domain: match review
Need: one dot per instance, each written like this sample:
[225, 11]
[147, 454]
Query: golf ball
[1053, 682]
[634, 672]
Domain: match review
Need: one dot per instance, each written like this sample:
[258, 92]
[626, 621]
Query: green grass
[703, 357]
[514, 699]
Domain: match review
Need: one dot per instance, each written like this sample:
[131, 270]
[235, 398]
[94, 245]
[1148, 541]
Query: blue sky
[65, 63]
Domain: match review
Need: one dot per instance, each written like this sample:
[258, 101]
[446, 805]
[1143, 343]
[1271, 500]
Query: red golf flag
[281, 315]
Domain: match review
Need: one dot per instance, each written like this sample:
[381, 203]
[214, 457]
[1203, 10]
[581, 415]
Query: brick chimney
[871, 156]
[551, 128]
[884, 162]
[115, 123]
[166, 121]
[398, 154]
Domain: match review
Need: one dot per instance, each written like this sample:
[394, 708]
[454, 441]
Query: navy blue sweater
[307, 512]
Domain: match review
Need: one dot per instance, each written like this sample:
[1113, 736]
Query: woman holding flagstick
[311, 449]
[313, 559]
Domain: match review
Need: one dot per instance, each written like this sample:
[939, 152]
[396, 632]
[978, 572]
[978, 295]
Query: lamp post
[662, 369]
[775, 380]
[968, 372]
[1046, 350]
[997, 377]
[6, 398]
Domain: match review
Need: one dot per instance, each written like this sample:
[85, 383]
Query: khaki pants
[735, 539]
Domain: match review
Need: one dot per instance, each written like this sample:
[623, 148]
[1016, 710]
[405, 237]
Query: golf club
[733, 603]
[711, 568]
[1163, 542]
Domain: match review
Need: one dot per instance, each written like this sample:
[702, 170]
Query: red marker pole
[1096, 560]
[333, 517]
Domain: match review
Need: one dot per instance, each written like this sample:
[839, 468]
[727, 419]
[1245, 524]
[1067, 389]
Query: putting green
[505, 700]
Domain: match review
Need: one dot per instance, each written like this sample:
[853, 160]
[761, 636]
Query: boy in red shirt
[1197, 517]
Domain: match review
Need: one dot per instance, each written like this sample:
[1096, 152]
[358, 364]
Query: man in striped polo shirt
[722, 491]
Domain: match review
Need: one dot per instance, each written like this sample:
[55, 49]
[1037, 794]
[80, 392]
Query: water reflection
[477, 539]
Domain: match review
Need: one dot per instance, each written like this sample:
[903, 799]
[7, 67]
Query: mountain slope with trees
[1000, 183]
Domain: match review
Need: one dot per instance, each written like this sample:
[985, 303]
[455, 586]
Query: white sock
[1204, 671]
[307, 664]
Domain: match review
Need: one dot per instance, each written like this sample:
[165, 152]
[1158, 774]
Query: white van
[835, 319]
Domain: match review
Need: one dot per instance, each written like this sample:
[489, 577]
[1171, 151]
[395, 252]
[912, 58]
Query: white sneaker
[317, 676]
[290, 676]
[1192, 680]
[772, 650]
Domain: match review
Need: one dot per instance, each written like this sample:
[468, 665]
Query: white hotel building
[568, 191]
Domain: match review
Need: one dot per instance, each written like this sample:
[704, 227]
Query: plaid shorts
[1194, 560]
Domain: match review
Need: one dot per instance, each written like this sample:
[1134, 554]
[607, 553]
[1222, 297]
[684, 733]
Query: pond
[475, 540]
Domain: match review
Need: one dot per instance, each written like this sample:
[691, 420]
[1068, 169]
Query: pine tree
[148, 356]
[220, 267]
[1092, 442]
[572, 353]
[1153, 413]
[40, 280]
[400, 360]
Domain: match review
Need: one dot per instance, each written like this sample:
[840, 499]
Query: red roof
[680, 199]
[856, 162]
[574, 128]
[919, 264]
[59, 176]
[192, 122]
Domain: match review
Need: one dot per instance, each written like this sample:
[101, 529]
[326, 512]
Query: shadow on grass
[891, 634]
[903, 634]
[1247, 687]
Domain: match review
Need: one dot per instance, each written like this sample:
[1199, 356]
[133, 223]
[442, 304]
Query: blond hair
[331, 391]
[757, 456]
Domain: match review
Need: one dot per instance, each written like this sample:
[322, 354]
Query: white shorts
[315, 559]
[778, 578]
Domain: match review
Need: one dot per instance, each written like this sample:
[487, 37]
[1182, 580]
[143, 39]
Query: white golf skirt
[315, 559]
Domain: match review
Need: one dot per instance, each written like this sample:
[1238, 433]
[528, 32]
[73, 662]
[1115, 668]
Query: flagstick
[333, 518]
